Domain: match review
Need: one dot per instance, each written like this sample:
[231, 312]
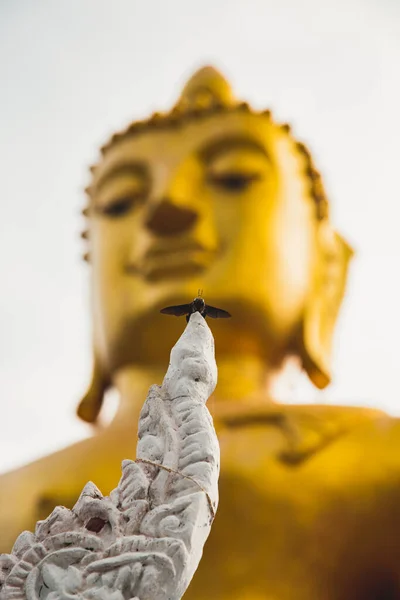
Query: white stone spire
[145, 540]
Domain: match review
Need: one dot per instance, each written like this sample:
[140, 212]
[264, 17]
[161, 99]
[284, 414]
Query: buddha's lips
[162, 250]
[162, 258]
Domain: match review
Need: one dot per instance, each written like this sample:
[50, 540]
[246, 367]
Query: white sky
[73, 71]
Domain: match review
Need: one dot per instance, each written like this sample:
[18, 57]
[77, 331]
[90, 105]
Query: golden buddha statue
[215, 195]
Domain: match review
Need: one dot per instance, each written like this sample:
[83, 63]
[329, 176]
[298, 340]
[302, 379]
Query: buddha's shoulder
[342, 416]
[348, 429]
[315, 415]
[336, 432]
[326, 432]
[355, 420]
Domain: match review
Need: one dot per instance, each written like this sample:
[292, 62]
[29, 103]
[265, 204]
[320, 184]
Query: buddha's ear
[90, 406]
[325, 299]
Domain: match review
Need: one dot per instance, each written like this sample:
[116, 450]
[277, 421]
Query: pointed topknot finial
[206, 89]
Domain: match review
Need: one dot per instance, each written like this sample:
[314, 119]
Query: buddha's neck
[241, 380]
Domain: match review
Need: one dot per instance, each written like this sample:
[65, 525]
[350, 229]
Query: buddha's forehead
[174, 144]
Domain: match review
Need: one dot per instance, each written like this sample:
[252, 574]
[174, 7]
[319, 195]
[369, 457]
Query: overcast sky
[73, 71]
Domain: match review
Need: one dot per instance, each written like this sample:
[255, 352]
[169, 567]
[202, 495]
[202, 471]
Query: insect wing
[178, 311]
[217, 313]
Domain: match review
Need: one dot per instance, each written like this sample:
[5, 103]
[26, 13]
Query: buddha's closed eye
[233, 182]
[120, 190]
[236, 166]
[118, 207]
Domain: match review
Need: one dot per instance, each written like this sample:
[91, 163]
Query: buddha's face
[220, 203]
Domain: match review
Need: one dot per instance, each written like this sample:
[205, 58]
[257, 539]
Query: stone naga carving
[145, 540]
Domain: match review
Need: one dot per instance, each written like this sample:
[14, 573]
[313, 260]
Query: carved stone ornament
[144, 541]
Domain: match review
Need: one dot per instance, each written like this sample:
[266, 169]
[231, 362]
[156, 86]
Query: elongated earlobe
[323, 305]
[90, 406]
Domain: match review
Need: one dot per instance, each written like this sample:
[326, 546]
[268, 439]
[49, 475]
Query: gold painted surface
[216, 196]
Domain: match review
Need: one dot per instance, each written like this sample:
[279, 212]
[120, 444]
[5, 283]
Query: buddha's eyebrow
[237, 142]
[135, 168]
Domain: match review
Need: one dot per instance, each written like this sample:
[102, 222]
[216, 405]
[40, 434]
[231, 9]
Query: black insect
[198, 305]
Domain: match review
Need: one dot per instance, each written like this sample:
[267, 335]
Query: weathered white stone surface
[145, 540]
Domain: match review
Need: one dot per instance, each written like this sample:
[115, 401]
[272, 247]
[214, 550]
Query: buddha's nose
[168, 218]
